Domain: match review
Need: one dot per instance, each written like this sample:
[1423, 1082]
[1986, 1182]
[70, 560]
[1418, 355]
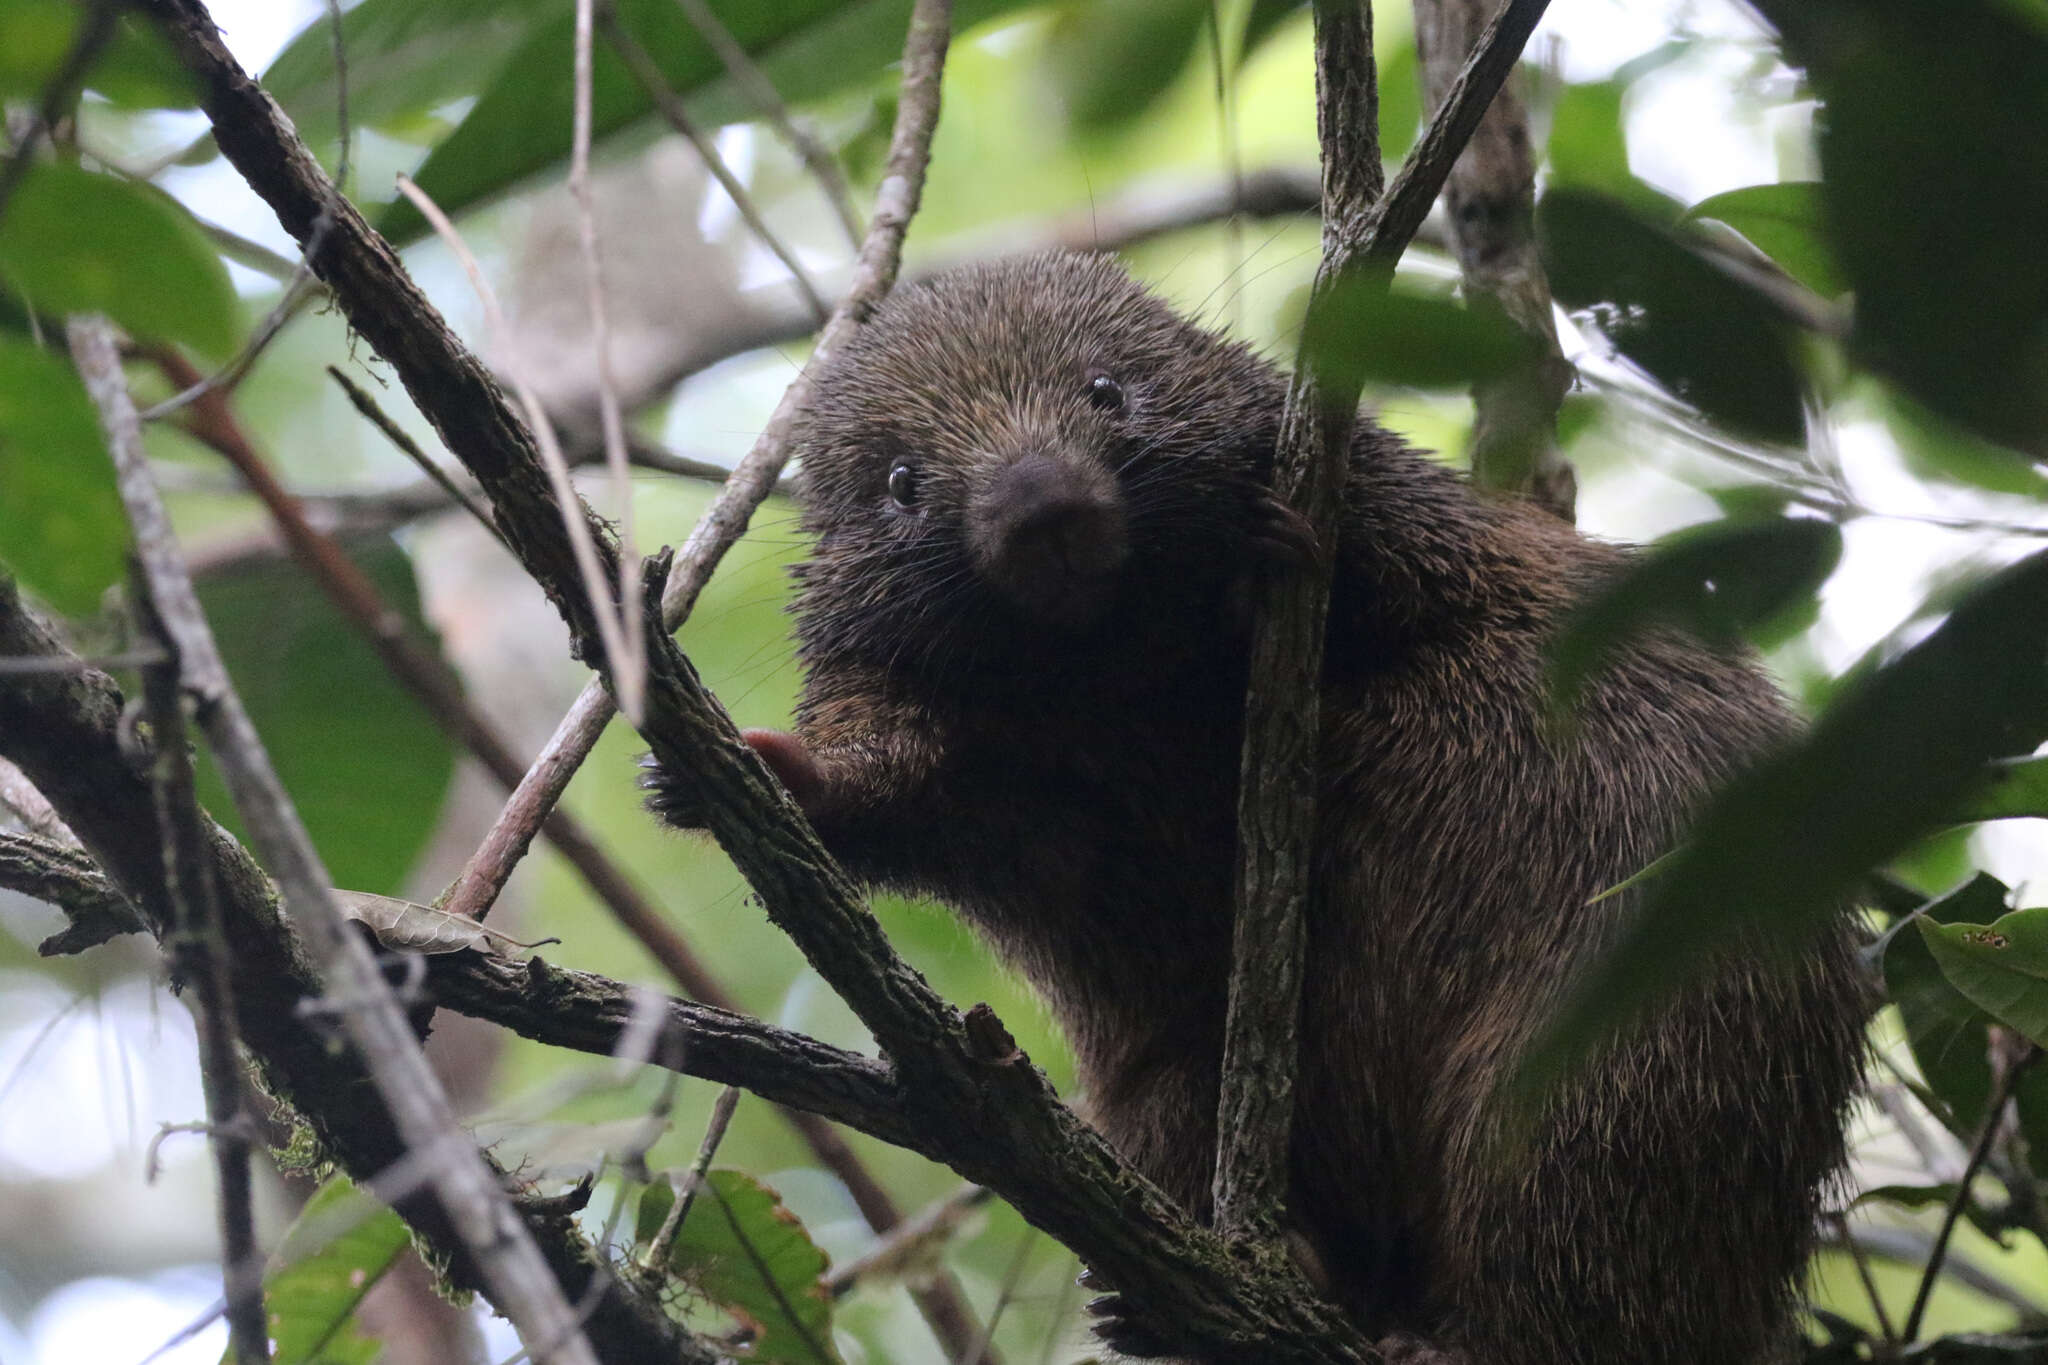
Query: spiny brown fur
[1069, 785]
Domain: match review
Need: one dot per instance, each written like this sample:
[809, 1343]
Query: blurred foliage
[1724, 582]
[1857, 316]
[740, 1251]
[134, 70]
[365, 766]
[333, 1254]
[62, 528]
[74, 241]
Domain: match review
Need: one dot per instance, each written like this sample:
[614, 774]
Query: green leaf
[1710, 341]
[1402, 337]
[341, 1244]
[1931, 1197]
[747, 1254]
[2002, 967]
[61, 527]
[406, 58]
[1784, 221]
[364, 764]
[1264, 20]
[1400, 100]
[134, 69]
[1588, 143]
[1110, 59]
[1785, 845]
[76, 242]
[1723, 582]
[2018, 790]
[1935, 185]
[1934, 447]
[1944, 1031]
[519, 126]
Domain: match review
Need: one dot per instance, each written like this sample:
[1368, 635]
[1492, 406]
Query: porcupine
[1038, 495]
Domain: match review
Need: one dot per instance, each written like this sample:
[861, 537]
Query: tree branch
[1364, 234]
[199, 957]
[1276, 803]
[68, 879]
[521, 1284]
[753, 82]
[63, 727]
[646, 73]
[1491, 199]
[966, 1088]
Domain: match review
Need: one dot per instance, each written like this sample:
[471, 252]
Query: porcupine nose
[1050, 535]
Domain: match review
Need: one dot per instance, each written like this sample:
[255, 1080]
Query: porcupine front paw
[678, 799]
[1279, 536]
[1404, 1348]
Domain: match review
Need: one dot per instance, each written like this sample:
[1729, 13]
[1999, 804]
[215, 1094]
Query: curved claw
[1403, 1348]
[1119, 1332]
[1279, 535]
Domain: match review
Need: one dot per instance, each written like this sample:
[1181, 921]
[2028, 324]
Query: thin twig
[297, 294]
[394, 433]
[521, 1284]
[133, 658]
[1006, 1293]
[199, 957]
[631, 668]
[1994, 1113]
[918, 1240]
[687, 1182]
[1233, 159]
[1861, 1261]
[648, 74]
[95, 29]
[759, 91]
[341, 124]
[610, 422]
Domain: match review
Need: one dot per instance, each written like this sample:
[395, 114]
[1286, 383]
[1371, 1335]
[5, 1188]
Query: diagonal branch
[753, 478]
[965, 1085]
[647, 75]
[64, 727]
[520, 1281]
[760, 92]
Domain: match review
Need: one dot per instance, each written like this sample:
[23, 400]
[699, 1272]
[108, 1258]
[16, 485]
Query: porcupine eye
[1104, 393]
[903, 486]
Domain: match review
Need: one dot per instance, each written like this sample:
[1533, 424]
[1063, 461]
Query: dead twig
[753, 82]
[199, 958]
[505, 1255]
[648, 74]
